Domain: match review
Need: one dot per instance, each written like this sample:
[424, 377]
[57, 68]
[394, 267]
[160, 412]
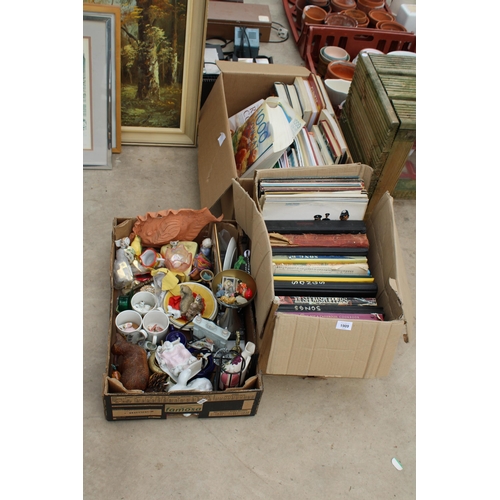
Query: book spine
[331, 309]
[344, 316]
[334, 301]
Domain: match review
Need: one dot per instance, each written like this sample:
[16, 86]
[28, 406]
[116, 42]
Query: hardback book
[281, 91]
[265, 136]
[324, 93]
[320, 141]
[323, 288]
[331, 142]
[337, 132]
[340, 315]
[325, 270]
[315, 105]
[307, 206]
[315, 226]
[305, 102]
[334, 301]
[316, 150]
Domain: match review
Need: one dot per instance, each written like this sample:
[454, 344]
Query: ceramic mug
[155, 325]
[130, 324]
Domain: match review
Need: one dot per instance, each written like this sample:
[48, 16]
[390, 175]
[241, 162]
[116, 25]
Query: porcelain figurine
[159, 228]
[197, 384]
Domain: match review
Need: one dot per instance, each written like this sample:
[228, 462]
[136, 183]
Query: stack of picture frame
[113, 43]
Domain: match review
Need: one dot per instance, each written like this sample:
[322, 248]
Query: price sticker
[344, 325]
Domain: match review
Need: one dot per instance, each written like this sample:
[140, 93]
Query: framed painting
[162, 47]
[97, 141]
[112, 12]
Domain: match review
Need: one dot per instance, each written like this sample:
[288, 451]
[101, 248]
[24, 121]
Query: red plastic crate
[315, 36]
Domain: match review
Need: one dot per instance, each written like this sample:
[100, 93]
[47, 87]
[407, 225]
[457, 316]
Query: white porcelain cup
[155, 324]
[337, 90]
[143, 302]
[130, 324]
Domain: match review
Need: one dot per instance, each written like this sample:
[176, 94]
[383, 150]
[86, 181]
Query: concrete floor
[311, 438]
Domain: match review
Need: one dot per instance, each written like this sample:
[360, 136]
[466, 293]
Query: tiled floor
[311, 438]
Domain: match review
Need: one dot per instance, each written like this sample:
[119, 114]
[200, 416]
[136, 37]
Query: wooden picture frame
[97, 140]
[113, 12]
[162, 48]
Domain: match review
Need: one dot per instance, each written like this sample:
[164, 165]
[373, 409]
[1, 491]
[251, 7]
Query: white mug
[158, 319]
[129, 323]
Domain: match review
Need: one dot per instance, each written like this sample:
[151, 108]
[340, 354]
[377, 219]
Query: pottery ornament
[159, 228]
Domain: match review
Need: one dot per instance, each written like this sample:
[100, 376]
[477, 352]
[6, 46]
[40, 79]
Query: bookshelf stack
[378, 119]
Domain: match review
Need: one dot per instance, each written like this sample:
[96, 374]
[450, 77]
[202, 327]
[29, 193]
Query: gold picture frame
[171, 33]
[113, 12]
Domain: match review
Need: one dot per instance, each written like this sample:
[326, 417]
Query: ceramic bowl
[378, 15]
[337, 90]
[367, 51]
[359, 15]
[331, 53]
[343, 70]
[234, 275]
[340, 5]
[336, 19]
[402, 53]
[390, 26]
[210, 311]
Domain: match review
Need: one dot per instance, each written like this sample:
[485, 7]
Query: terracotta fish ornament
[159, 228]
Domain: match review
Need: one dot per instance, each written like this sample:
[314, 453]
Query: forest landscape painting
[162, 42]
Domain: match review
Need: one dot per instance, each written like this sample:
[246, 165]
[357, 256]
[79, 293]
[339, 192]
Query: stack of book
[320, 264]
[307, 198]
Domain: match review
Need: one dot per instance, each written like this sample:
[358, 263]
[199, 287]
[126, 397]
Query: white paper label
[201, 401]
[344, 325]
[264, 19]
[221, 138]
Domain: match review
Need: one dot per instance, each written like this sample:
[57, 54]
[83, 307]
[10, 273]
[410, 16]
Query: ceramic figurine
[134, 368]
[159, 228]
[197, 384]
[176, 357]
[187, 298]
[206, 247]
[195, 308]
[344, 215]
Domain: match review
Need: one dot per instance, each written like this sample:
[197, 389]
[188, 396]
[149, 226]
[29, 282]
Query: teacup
[143, 302]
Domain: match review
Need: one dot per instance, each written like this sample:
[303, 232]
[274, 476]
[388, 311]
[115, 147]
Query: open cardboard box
[232, 402]
[309, 346]
[238, 86]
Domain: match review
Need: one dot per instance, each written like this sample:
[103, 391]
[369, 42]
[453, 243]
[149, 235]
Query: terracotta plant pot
[378, 15]
[313, 15]
[340, 5]
[335, 19]
[342, 70]
[359, 15]
[390, 26]
[367, 5]
[299, 9]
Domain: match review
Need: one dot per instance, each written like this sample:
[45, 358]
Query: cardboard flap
[388, 267]
[213, 151]
[252, 223]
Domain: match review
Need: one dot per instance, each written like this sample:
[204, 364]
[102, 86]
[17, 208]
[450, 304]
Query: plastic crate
[314, 37]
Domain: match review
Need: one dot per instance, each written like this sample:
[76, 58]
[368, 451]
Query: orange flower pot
[379, 15]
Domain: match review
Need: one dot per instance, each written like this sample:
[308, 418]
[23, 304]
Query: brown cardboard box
[305, 346]
[238, 86]
[223, 17]
[129, 406]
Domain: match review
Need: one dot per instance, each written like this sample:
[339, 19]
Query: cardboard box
[321, 347]
[238, 86]
[129, 406]
[223, 17]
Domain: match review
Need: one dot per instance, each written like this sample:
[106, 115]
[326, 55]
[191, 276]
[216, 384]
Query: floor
[311, 438]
